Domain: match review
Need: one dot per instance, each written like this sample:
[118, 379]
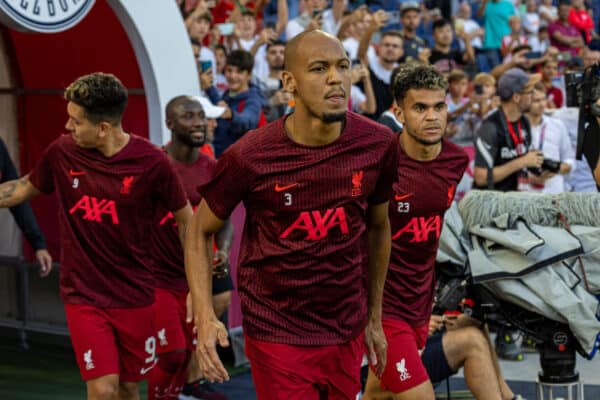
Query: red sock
[166, 379]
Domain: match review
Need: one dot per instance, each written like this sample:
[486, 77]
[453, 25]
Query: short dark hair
[275, 43]
[207, 16]
[416, 76]
[102, 96]
[241, 59]
[439, 24]
[248, 13]
[393, 33]
[220, 47]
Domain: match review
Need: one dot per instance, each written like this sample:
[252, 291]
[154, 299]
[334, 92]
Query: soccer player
[188, 123]
[428, 170]
[315, 185]
[108, 183]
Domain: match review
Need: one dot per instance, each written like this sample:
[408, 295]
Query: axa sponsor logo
[421, 229]
[95, 209]
[317, 225]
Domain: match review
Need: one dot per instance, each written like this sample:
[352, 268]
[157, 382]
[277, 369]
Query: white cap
[210, 109]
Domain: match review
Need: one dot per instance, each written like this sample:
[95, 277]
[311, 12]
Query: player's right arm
[198, 267]
[16, 192]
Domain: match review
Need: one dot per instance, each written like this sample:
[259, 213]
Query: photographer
[502, 147]
[550, 136]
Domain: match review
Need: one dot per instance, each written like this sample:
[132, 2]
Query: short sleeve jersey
[302, 268]
[167, 253]
[494, 146]
[106, 209]
[422, 193]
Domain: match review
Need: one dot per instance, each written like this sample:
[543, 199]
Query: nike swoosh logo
[143, 371]
[403, 196]
[279, 188]
[76, 173]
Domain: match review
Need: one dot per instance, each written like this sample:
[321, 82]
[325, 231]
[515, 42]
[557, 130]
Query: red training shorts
[404, 369]
[172, 331]
[112, 341]
[286, 372]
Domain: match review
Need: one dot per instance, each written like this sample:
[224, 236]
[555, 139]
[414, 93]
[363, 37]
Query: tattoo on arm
[7, 191]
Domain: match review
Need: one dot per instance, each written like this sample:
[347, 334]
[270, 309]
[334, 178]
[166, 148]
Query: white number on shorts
[403, 207]
[75, 183]
[288, 199]
[151, 349]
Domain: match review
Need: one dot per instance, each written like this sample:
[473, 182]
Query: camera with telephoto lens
[548, 165]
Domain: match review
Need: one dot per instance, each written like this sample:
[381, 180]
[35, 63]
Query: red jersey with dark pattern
[302, 264]
[422, 194]
[106, 210]
[167, 253]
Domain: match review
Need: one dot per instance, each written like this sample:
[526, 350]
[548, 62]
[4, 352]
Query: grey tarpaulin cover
[516, 248]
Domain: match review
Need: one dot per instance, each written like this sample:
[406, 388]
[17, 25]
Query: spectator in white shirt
[471, 28]
[316, 16]
[531, 21]
[550, 136]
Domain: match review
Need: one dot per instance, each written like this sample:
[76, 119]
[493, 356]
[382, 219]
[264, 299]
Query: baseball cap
[210, 109]
[409, 5]
[515, 80]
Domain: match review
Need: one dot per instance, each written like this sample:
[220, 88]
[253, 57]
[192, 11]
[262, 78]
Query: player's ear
[288, 81]
[105, 127]
[398, 112]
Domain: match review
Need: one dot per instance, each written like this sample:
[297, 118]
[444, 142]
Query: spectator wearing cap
[443, 57]
[484, 103]
[563, 35]
[212, 112]
[496, 14]
[410, 16]
[503, 140]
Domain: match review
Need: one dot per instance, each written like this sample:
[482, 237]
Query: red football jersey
[302, 264]
[169, 269]
[106, 210]
[422, 194]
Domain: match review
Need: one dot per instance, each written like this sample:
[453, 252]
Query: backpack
[262, 119]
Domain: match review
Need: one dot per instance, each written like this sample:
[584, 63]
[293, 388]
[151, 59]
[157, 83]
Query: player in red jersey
[429, 169]
[108, 183]
[315, 185]
[187, 120]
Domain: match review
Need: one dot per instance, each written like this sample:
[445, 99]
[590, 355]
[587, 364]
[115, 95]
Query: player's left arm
[183, 216]
[379, 233]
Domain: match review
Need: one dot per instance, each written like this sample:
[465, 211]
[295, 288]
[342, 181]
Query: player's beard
[328, 117]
